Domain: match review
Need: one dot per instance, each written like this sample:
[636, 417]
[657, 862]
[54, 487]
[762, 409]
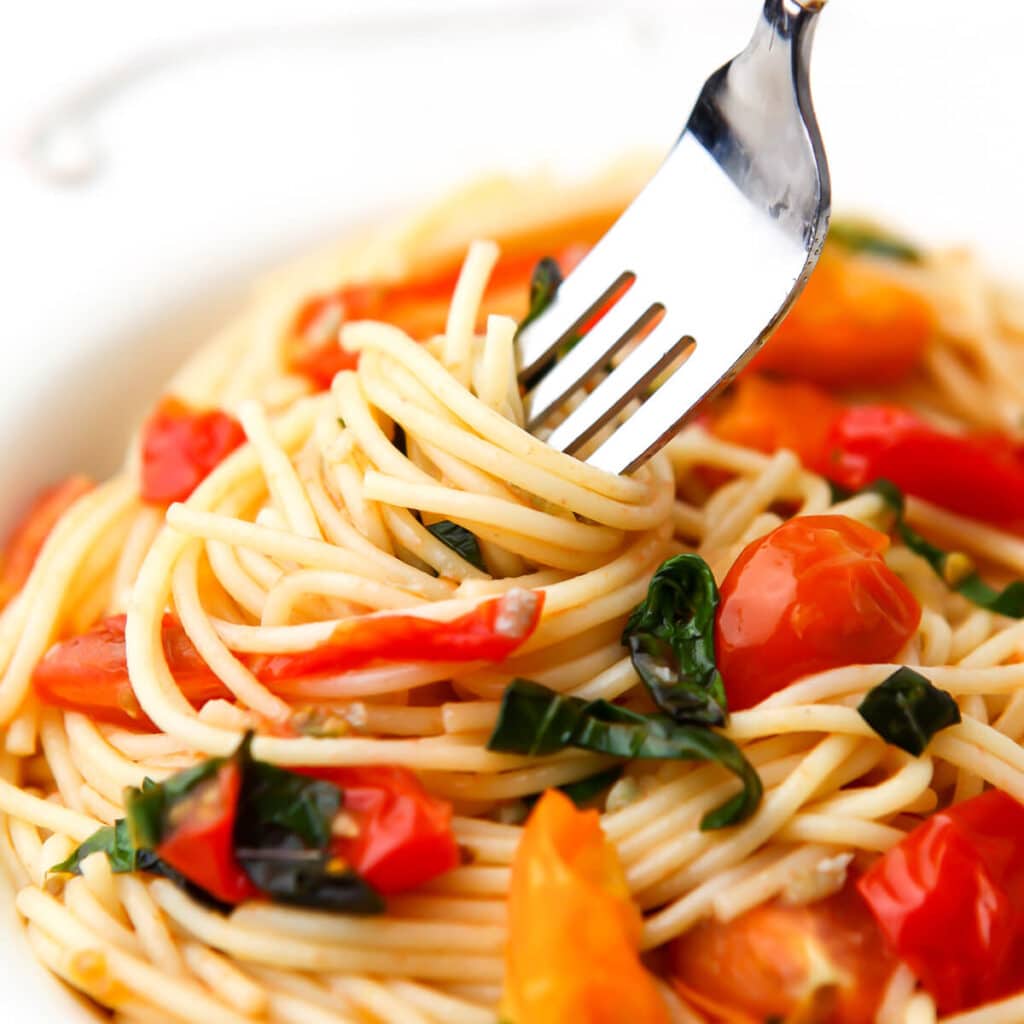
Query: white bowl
[224, 160]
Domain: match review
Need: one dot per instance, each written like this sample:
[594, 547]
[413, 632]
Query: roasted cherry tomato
[950, 900]
[855, 325]
[574, 932]
[813, 594]
[27, 538]
[89, 673]
[418, 306]
[823, 962]
[490, 632]
[181, 447]
[200, 842]
[402, 835]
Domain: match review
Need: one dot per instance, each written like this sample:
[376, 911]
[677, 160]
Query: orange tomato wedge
[574, 932]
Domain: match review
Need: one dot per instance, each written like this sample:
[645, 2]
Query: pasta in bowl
[348, 699]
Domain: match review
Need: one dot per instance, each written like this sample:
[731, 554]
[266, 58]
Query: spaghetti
[328, 510]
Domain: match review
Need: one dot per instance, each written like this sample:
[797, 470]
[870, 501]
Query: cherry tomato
[28, 537]
[181, 447]
[200, 843]
[89, 673]
[574, 933]
[813, 594]
[490, 632]
[854, 325]
[825, 960]
[403, 835]
[949, 899]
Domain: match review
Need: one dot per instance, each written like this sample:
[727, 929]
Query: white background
[230, 134]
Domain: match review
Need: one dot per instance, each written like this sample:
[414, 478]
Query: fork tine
[658, 419]
[584, 291]
[653, 355]
[630, 315]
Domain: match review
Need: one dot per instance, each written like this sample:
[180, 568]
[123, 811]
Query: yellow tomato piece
[574, 932]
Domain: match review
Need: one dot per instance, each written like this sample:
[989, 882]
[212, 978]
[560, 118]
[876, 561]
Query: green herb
[535, 720]
[858, 236]
[583, 790]
[274, 798]
[670, 637]
[544, 285]
[113, 840]
[906, 710]
[954, 568]
[147, 809]
[460, 540]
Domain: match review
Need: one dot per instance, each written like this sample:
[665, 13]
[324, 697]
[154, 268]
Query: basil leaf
[906, 710]
[460, 540]
[671, 641]
[544, 285]
[113, 840]
[290, 873]
[146, 809]
[538, 721]
[857, 236]
[954, 568]
[583, 790]
[275, 798]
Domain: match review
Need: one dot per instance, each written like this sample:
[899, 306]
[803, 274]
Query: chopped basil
[536, 720]
[460, 540]
[954, 568]
[670, 637]
[282, 833]
[113, 840]
[907, 710]
[582, 791]
[544, 285]
[858, 236]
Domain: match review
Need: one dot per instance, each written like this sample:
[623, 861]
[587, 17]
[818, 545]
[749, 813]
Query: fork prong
[629, 379]
[583, 292]
[630, 315]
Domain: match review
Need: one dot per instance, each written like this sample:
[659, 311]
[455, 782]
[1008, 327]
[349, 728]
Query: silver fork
[718, 244]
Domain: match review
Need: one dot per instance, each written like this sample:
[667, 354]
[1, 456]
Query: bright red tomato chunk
[813, 594]
[824, 962]
[403, 835]
[950, 900]
[89, 673]
[181, 447]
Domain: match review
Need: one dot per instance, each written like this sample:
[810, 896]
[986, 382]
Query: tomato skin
[949, 899]
[419, 306]
[813, 594]
[776, 960]
[404, 834]
[490, 632]
[201, 843]
[89, 673]
[181, 447]
[574, 932]
[29, 535]
[854, 325]
[978, 476]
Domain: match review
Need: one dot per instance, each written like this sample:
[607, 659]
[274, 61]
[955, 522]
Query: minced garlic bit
[825, 878]
[515, 612]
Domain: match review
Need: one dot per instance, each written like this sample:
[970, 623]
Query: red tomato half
[813, 594]
[201, 841]
[29, 536]
[403, 834]
[950, 900]
[824, 962]
[89, 673]
[181, 447]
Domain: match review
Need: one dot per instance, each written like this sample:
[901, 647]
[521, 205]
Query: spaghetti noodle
[329, 513]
